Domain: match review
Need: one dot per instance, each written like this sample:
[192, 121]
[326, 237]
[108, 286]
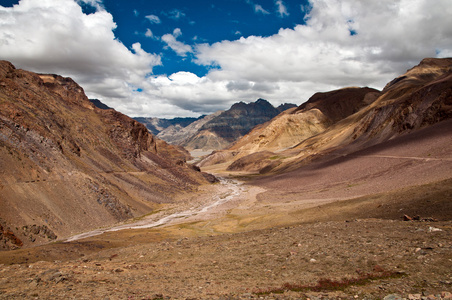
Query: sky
[178, 58]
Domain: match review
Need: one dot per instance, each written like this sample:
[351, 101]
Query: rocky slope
[229, 126]
[214, 131]
[67, 166]
[178, 134]
[346, 120]
[157, 125]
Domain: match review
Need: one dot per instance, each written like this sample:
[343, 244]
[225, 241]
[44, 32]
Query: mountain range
[215, 131]
[344, 121]
[67, 166]
[345, 196]
[63, 156]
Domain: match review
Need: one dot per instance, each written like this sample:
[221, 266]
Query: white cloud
[153, 19]
[259, 9]
[57, 37]
[180, 48]
[149, 33]
[323, 54]
[281, 9]
[391, 36]
[177, 32]
[176, 14]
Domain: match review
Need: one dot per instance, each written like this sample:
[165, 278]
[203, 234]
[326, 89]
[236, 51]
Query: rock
[433, 229]
[393, 297]
[414, 296]
[446, 295]
[407, 218]
[57, 277]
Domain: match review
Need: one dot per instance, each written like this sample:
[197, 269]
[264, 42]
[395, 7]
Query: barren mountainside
[345, 120]
[227, 127]
[353, 200]
[179, 135]
[67, 166]
[157, 125]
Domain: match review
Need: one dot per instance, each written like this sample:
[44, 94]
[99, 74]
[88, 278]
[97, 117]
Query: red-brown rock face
[69, 166]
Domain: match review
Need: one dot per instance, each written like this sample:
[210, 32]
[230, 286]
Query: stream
[233, 189]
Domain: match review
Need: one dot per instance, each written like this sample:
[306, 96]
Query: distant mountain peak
[219, 130]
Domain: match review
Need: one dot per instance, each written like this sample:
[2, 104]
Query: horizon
[177, 59]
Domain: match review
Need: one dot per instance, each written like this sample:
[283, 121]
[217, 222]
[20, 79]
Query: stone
[433, 229]
[407, 218]
[393, 297]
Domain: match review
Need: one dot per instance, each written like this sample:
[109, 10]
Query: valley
[348, 196]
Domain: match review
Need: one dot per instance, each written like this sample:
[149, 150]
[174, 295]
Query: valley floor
[358, 257]
[331, 230]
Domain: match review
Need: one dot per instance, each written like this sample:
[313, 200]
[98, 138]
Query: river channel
[228, 190]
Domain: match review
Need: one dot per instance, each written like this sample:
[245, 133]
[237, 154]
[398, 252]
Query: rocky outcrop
[240, 119]
[70, 166]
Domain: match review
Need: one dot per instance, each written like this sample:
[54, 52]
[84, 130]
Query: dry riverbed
[235, 245]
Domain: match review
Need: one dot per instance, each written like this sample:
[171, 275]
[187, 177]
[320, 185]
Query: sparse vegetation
[326, 284]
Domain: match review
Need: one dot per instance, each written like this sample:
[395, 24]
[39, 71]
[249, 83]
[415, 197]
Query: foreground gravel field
[356, 259]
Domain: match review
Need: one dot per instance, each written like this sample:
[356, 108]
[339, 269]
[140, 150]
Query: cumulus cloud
[257, 7]
[338, 46]
[57, 37]
[153, 19]
[93, 3]
[341, 43]
[324, 54]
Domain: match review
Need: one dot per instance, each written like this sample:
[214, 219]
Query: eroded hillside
[345, 120]
[67, 166]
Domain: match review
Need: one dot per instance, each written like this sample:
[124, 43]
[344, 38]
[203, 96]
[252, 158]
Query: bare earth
[330, 230]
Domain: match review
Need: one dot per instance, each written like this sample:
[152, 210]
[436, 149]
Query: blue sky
[186, 58]
[199, 22]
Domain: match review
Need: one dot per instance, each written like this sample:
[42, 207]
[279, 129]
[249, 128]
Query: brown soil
[237, 252]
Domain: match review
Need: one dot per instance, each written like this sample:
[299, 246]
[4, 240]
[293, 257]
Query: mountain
[67, 166]
[178, 134]
[342, 122]
[99, 104]
[157, 125]
[221, 129]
